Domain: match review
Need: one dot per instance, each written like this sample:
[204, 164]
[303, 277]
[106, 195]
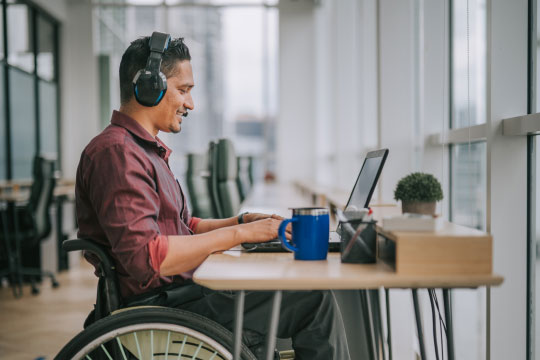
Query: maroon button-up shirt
[129, 200]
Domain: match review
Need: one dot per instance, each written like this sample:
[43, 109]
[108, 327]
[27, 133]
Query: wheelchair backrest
[108, 297]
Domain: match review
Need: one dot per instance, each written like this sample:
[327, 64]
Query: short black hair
[136, 56]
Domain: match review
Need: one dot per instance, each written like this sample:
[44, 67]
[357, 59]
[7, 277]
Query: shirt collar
[127, 122]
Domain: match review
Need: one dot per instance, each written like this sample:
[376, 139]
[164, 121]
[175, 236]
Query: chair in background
[31, 224]
[213, 179]
[224, 188]
[243, 176]
[197, 180]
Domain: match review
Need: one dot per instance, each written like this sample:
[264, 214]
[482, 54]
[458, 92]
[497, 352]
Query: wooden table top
[279, 271]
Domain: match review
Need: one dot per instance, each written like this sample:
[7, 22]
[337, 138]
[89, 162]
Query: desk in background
[18, 192]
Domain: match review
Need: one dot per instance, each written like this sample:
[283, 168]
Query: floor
[37, 327]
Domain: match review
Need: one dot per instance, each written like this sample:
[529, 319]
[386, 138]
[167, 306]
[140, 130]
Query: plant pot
[418, 207]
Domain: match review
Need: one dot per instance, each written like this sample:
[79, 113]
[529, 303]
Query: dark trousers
[310, 318]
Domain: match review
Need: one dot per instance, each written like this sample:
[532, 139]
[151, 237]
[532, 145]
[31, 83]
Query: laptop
[358, 199]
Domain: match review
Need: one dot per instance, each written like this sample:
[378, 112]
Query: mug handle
[281, 234]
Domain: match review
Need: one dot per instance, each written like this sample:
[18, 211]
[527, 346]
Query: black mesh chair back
[41, 198]
[242, 177]
[229, 195]
[197, 180]
[213, 183]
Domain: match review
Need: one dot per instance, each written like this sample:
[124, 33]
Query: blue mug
[310, 233]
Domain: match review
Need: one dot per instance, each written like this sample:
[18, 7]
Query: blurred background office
[307, 88]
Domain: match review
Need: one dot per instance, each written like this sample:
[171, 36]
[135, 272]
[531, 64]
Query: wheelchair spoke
[152, 344]
[197, 351]
[213, 355]
[121, 348]
[168, 342]
[106, 352]
[138, 346]
[182, 347]
[88, 357]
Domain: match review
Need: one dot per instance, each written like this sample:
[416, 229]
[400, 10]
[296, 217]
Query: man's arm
[207, 225]
[187, 252]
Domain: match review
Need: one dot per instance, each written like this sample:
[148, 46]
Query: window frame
[34, 13]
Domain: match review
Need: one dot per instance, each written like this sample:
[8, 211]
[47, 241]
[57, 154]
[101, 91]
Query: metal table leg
[274, 320]
[238, 322]
[389, 340]
[419, 324]
[368, 321]
[448, 318]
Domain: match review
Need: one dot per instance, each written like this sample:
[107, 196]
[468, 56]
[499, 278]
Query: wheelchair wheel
[152, 333]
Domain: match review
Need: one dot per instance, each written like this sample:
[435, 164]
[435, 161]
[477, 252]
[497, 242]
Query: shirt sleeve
[124, 196]
[194, 221]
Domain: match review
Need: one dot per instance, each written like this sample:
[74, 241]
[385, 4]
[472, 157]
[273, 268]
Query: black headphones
[149, 84]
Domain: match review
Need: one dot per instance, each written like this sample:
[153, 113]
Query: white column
[507, 175]
[295, 122]
[79, 84]
[397, 90]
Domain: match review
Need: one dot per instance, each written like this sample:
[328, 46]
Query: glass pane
[468, 181]
[469, 185]
[23, 125]
[3, 158]
[468, 63]
[48, 117]
[45, 49]
[20, 51]
[1, 32]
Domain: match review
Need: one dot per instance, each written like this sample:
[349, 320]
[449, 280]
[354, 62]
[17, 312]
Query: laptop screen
[367, 179]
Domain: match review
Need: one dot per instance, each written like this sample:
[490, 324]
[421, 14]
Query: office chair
[213, 180]
[142, 332]
[31, 224]
[243, 177]
[197, 180]
[224, 173]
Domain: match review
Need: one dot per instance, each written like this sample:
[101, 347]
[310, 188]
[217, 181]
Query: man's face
[177, 100]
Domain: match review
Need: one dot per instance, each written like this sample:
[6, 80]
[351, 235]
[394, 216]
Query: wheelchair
[143, 332]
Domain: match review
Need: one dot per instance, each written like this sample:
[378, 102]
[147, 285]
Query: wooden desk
[279, 271]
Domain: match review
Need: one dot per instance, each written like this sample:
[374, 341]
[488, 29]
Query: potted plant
[419, 193]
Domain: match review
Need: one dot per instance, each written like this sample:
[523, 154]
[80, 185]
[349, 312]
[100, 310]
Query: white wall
[507, 192]
[295, 124]
[79, 85]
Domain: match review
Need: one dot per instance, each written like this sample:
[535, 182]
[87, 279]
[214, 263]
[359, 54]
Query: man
[128, 200]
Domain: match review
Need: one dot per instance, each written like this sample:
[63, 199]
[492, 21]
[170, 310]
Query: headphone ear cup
[149, 89]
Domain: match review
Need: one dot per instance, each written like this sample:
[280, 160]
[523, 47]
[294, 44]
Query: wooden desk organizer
[452, 250]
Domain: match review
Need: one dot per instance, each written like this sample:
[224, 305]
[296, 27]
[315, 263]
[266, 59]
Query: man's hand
[260, 230]
[251, 217]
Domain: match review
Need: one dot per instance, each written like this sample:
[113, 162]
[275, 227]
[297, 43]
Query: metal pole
[366, 312]
[238, 322]
[388, 326]
[274, 320]
[448, 318]
[419, 324]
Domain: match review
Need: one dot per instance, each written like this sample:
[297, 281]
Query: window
[468, 69]
[20, 42]
[28, 78]
[48, 117]
[45, 49]
[234, 60]
[468, 157]
[468, 202]
[23, 123]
